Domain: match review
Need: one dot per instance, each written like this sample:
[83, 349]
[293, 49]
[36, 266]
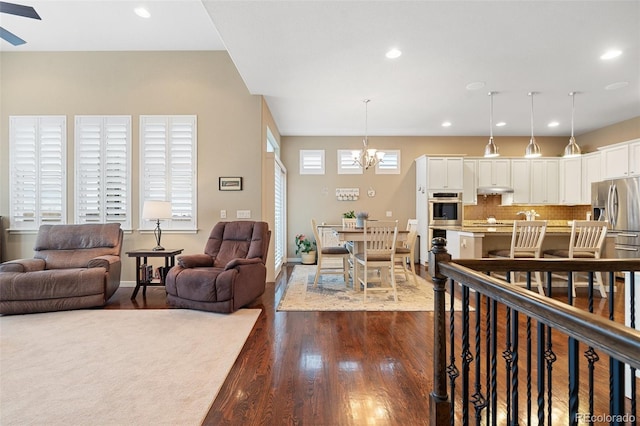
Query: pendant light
[533, 150]
[491, 150]
[572, 149]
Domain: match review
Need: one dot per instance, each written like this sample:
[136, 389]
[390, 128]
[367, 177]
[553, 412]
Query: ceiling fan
[18, 10]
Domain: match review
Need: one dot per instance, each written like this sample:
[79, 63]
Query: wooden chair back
[527, 237]
[587, 237]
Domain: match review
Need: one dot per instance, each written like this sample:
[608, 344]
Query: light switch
[223, 214]
[243, 214]
[389, 213]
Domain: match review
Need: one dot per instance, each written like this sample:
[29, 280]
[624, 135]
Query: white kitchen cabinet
[621, 160]
[445, 173]
[470, 186]
[571, 181]
[494, 173]
[591, 164]
[520, 181]
[421, 207]
[544, 181]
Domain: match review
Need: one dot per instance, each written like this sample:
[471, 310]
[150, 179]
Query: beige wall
[619, 132]
[136, 83]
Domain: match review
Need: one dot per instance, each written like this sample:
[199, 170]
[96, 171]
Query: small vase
[309, 258]
[360, 222]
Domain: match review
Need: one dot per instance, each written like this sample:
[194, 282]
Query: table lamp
[156, 210]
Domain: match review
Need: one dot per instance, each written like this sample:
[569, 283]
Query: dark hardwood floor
[335, 368]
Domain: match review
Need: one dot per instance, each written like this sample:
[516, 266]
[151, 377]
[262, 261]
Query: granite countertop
[503, 227]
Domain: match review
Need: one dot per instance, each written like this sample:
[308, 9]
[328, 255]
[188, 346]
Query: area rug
[331, 294]
[116, 367]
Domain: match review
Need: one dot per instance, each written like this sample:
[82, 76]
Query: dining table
[356, 235]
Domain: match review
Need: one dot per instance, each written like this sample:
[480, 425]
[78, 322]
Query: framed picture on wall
[230, 184]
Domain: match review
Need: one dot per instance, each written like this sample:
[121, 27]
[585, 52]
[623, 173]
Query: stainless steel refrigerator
[618, 202]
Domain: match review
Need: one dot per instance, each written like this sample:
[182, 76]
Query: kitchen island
[473, 240]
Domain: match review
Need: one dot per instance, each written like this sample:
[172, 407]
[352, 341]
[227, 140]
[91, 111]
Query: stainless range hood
[494, 190]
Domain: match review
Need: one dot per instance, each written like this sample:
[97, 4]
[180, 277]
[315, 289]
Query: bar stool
[526, 242]
[586, 242]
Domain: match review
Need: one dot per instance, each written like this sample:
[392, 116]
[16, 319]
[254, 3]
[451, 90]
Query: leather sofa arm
[104, 261]
[240, 262]
[195, 261]
[23, 265]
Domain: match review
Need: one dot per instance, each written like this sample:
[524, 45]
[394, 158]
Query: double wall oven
[445, 209]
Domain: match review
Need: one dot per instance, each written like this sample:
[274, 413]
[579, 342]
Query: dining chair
[405, 251]
[327, 253]
[378, 256]
[526, 242]
[350, 223]
[586, 242]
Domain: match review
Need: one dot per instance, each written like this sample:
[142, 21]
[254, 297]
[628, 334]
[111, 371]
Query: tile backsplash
[490, 206]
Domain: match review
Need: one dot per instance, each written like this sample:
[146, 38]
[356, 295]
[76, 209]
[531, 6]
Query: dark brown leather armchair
[230, 274]
[74, 267]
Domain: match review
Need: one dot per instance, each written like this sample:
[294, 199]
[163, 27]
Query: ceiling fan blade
[19, 10]
[11, 37]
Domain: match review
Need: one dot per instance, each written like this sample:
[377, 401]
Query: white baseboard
[131, 284]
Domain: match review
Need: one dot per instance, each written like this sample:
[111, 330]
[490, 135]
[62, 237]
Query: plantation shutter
[103, 153]
[346, 165]
[37, 156]
[279, 217]
[390, 164]
[311, 161]
[168, 167]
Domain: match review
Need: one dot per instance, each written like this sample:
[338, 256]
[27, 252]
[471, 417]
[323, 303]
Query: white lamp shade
[153, 210]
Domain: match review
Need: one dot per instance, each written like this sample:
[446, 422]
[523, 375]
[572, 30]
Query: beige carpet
[116, 367]
[332, 295]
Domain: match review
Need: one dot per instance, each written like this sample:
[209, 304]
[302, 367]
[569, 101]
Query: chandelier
[367, 157]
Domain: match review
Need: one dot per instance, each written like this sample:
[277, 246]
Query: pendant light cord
[573, 107]
[491, 115]
[531, 94]
[366, 122]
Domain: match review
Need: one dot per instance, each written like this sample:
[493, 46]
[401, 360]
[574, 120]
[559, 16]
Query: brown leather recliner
[230, 274]
[74, 267]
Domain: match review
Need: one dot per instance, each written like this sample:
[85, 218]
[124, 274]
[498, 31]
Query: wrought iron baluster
[478, 399]
[550, 358]
[467, 358]
[452, 370]
[508, 357]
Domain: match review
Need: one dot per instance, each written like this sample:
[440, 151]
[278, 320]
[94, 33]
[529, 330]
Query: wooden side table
[145, 278]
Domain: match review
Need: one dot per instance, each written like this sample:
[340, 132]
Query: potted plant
[360, 218]
[349, 215]
[306, 248]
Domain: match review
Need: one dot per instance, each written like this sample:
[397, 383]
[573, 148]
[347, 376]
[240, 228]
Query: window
[37, 157]
[102, 169]
[390, 164]
[346, 165]
[312, 161]
[168, 168]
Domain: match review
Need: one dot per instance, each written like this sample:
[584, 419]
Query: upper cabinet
[544, 181]
[470, 181]
[620, 160]
[494, 173]
[520, 182]
[571, 181]
[445, 173]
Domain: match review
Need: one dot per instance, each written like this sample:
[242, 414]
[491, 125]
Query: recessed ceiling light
[446, 124]
[553, 124]
[142, 12]
[475, 85]
[393, 53]
[610, 54]
[617, 85]
[501, 124]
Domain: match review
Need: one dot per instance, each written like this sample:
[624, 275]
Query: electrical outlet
[223, 214]
[243, 214]
[389, 213]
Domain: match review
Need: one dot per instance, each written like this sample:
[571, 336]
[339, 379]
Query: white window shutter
[390, 164]
[312, 162]
[346, 165]
[168, 153]
[37, 146]
[103, 164]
